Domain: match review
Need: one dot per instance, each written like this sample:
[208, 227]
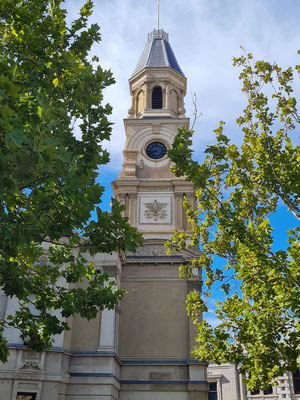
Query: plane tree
[239, 189]
[52, 124]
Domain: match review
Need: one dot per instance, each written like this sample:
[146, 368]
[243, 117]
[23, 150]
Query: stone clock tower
[141, 350]
[151, 193]
[155, 335]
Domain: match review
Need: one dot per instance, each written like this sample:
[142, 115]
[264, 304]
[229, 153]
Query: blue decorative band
[123, 382]
[94, 374]
[150, 257]
[162, 362]
[133, 382]
[113, 354]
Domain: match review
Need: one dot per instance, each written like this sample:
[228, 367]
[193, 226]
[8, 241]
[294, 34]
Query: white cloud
[211, 319]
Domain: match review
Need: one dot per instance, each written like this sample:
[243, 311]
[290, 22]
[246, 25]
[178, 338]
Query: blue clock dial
[156, 150]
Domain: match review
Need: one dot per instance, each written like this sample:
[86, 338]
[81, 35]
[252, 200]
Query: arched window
[157, 97]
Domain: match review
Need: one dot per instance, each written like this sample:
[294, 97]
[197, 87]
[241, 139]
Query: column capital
[132, 196]
[190, 195]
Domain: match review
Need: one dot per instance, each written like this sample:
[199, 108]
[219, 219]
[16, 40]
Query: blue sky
[205, 36]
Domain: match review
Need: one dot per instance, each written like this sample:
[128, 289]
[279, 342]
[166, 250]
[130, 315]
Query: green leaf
[16, 136]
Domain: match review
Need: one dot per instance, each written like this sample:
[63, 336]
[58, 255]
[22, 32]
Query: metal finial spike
[158, 15]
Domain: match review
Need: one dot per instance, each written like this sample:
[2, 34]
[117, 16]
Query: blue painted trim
[160, 118]
[163, 382]
[110, 353]
[157, 239]
[113, 354]
[133, 382]
[94, 374]
[158, 257]
[161, 362]
[70, 352]
[203, 362]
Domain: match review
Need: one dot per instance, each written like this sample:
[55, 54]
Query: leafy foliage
[237, 190]
[48, 185]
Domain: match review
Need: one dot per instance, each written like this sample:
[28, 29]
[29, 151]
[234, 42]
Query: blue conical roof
[158, 53]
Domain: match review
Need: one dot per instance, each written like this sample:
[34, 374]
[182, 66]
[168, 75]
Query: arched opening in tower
[157, 97]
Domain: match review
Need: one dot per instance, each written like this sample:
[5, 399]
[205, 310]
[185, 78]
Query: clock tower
[151, 193]
[155, 336]
[143, 349]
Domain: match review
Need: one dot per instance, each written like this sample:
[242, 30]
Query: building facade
[141, 350]
[225, 383]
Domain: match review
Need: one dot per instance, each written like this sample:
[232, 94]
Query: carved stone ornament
[31, 365]
[151, 251]
[190, 195]
[44, 260]
[155, 128]
[112, 270]
[155, 251]
[155, 211]
[194, 285]
[131, 112]
[30, 360]
[182, 111]
[121, 196]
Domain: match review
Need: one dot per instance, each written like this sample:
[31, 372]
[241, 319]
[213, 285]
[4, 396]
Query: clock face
[156, 150]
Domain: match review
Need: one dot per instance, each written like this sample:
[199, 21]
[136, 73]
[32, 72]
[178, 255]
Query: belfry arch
[157, 98]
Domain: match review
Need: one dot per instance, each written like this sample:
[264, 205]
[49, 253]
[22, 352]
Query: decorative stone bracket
[129, 164]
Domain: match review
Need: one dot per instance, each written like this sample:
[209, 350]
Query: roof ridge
[150, 53]
[165, 54]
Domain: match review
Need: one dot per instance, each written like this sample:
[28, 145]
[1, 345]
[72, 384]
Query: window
[212, 391]
[269, 390]
[296, 380]
[157, 97]
[26, 396]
